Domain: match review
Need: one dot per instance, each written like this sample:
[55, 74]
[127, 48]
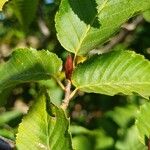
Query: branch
[66, 100]
[148, 144]
[68, 95]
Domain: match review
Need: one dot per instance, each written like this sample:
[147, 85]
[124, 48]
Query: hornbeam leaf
[115, 72]
[25, 11]
[84, 24]
[28, 65]
[2, 2]
[146, 15]
[143, 123]
[45, 127]
[130, 141]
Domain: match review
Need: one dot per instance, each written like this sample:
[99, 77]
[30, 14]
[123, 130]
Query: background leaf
[127, 112]
[143, 122]
[131, 141]
[146, 15]
[116, 72]
[85, 139]
[27, 65]
[45, 127]
[2, 2]
[81, 142]
[54, 91]
[84, 24]
[25, 11]
[7, 116]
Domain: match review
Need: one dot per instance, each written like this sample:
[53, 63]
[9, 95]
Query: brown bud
[68, 67]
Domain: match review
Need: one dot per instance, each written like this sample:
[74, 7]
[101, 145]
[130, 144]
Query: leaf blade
[28, 65]
[83, 25]
[25, 11]
[113, 73]
[130, 141]
[146, 15]
[2, 2]
[143, 122]
[49, 128]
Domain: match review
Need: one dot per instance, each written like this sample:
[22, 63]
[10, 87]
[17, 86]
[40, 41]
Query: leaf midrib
[113, 84]
[89, 26]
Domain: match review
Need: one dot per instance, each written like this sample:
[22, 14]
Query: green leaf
[84, 24]
[25, 11]
[75, 129]
[27, 65]
[112, 73]
[54, 91]
[44, 127]
[103, 141]
[82, 138]
[131, 141]
[5, 95]
[81, 142]
[2, 2]
[7, 133]
[9, 115]
[146, 15]
[128, 112]
[143, 122]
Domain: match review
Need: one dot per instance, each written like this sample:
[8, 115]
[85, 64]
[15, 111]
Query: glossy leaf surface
[2, 2]
[112, 73]
[143, 122]
[25, 11]
[44, 127]
[84, 24]
[28, 65]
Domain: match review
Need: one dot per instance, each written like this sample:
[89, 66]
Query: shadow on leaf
[86, 11]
